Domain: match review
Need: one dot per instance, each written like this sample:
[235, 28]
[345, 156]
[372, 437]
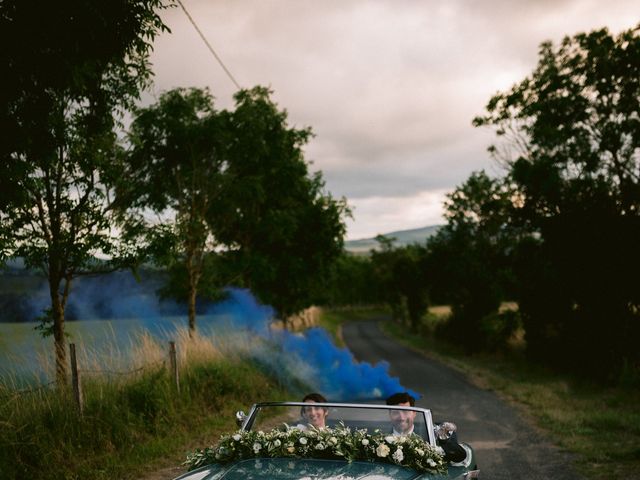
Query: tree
[572, 131]
[469, 258]
[352, 282]
[402, 280]
[283, 231]
[74, 65]
[175, 167]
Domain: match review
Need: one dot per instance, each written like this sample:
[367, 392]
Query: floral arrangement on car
[326, 443]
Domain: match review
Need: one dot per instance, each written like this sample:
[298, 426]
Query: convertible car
[296, 441]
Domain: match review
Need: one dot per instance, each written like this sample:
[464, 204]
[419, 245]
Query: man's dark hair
[401, 397]
[316, 397]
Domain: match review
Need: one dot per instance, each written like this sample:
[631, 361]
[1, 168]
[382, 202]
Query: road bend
[507, 447]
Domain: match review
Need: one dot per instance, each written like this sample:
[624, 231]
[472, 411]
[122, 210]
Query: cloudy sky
[389, 87]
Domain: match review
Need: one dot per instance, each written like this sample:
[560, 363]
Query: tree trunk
[192, 306]
[57, 314]
[193, 264]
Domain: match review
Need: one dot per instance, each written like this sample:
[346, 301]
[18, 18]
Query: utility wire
[204, 39]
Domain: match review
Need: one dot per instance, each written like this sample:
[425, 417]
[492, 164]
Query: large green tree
[174, 167]
[571, 144]
[469, 259]
[68, 68]
[282, 229]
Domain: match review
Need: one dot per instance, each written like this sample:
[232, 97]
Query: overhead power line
[204, 39]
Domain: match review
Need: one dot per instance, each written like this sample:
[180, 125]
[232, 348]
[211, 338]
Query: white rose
[320, 446]
[237, 437]
[431, 462]
[303, 440]
[277, 443]
[365, 442]
[420, 452]
[398, 456]
[382, 450]
[256, 447]
[333, 441]
[390, 439]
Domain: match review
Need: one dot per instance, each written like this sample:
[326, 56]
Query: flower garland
[326, 443]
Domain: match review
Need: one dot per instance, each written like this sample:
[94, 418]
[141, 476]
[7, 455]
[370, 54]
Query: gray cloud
[389, 87]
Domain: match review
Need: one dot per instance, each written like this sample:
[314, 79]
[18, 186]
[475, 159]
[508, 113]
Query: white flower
[398, 456]
[390, 439]
[333, 441]
[303, 440]
[382, 450]
[420, 452]
[291, 449]
[431, 462]
[256, 447]
[365, 442]
[277, 443]
[439, 450]
[320, 446]
[237, 437]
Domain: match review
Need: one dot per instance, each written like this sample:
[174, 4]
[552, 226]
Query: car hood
[298, 469]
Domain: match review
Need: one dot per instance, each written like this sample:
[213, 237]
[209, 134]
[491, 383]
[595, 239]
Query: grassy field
[133, 422]
[600, 425]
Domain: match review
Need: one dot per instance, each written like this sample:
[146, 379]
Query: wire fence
[77, 373]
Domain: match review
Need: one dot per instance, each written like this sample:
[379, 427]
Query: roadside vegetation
[600, 425]
[132, 422]
[556, 232]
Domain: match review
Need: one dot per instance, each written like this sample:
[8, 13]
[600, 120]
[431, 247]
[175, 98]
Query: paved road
[506, 446]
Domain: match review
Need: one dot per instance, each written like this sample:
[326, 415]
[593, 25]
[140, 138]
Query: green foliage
[126, 424]
[174, 167]
[352, 282]
[236, 180]
[572, 149]
[402, 280]
[282, 229]
[77, 64]
[469, 258]
[338, 443]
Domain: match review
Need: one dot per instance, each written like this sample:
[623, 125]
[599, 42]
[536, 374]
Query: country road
[506, 446]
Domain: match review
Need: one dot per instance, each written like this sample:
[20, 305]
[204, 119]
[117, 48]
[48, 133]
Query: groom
[402, 421]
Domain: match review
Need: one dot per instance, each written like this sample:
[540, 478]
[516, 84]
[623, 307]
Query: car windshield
[386, 419]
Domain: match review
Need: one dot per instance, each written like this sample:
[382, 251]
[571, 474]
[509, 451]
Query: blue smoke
[331, 370]
[310, 357]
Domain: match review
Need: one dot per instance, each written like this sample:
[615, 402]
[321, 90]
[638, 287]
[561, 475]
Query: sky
[389, 87]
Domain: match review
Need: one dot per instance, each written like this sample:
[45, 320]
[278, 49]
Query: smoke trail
[328, 368]
[310, 357]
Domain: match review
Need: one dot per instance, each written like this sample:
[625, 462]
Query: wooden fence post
[174, 364]
[75, 376]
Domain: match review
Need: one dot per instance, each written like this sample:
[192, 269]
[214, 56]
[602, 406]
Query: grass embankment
[601, 425]
[131, 423]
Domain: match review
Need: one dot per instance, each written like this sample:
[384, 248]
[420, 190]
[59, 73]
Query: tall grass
[133, 413]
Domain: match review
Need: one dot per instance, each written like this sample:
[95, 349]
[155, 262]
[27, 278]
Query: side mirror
[241, 417]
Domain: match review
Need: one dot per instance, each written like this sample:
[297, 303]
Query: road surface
[506, 446]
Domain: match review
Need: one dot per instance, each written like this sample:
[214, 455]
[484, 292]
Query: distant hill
[403, 237]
